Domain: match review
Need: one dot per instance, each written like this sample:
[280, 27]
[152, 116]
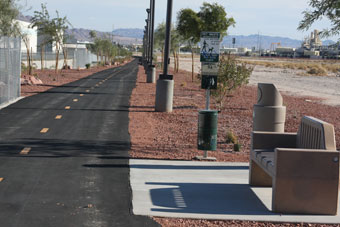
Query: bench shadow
[201, 198]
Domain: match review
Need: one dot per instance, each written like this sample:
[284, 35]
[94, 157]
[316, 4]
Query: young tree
[188, 26]
[214, 19]
[93, 34]
[9, 11]
[211, 17]
[329, 9]
[231, 76]
[176, 41]
[26, 40]
[52, 29]
[159, 37]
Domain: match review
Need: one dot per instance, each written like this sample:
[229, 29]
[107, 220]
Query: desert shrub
[231, 138]
[317, 70]
[237, 147]
[231, 76]
[184, 84]
[88, 66]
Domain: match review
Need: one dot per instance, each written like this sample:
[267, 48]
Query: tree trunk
[31, 61]
[162, 64]
[65, 58]
[29, 69]
[175, 63]
[193, 64]
[42, 56]
[57, 58]
[177, 59]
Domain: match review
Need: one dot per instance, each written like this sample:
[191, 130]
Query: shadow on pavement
[51, 148]
[200, 198]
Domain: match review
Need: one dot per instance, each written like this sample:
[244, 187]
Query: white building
[32, 36]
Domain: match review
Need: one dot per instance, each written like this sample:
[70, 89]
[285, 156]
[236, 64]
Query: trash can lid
[208, 112]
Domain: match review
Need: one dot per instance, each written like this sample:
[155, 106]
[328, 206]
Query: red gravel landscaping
[173, 136]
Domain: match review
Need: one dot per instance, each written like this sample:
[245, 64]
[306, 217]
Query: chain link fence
[81, 57]
[76, 58]
[10, 69]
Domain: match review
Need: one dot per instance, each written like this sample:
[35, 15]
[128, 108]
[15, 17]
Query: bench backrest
[315, 134]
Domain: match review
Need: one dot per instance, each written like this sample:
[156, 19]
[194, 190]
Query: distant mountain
[129, 32]
[81, 34]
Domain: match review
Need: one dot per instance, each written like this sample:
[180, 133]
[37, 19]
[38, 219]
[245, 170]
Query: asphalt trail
[72, 171]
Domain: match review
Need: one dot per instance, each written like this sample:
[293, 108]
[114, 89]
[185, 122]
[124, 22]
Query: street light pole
[152, 14]
[167, 41]
[151, 71]
[146, 44]
[165, 84]
[148, 21]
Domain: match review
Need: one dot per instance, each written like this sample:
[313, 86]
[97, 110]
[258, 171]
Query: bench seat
[302, 168]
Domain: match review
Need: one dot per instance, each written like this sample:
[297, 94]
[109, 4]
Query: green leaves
[8, 13]
[214, 18]
[329, 9]
[189, 25]
[211, 17]
[231, 76]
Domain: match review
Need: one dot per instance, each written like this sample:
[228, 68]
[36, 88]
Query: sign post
[207, 122]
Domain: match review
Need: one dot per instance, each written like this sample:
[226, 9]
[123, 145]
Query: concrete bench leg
[306, 182]
[258, 177]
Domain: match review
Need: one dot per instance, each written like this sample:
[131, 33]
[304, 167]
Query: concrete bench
[302, 168]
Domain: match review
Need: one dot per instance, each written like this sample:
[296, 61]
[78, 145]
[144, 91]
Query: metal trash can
[207, 130]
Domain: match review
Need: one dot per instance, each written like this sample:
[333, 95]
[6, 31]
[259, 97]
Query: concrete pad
[204, 190]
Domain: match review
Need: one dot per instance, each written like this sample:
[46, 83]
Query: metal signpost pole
[165, 84]
[207, 100]
[207, 119]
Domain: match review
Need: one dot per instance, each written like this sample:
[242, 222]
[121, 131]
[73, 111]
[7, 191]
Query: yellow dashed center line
[58, 117]
[81, 95]
[25, 151]
[87, 90]
[44, 130]
[67, 107]
[75, 100]
[1, 179]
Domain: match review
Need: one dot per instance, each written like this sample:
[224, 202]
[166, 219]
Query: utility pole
[165, 83]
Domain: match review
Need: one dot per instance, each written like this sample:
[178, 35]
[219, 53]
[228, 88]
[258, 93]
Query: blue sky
[267, 17]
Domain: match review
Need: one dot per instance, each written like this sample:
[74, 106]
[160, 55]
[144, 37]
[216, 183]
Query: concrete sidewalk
[204, 190]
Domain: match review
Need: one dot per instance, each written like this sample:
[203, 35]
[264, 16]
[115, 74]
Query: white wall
[32, 35]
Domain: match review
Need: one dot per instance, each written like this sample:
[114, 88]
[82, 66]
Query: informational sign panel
[209, 69]
[210, 46]
[209, 82]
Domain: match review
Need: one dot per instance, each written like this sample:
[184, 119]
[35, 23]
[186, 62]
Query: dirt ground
[51, 79]
[173, 136]
[288, 80]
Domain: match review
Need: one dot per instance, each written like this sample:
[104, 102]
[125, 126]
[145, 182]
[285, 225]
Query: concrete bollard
[164, 95]
[269, 114]
[151, 74]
